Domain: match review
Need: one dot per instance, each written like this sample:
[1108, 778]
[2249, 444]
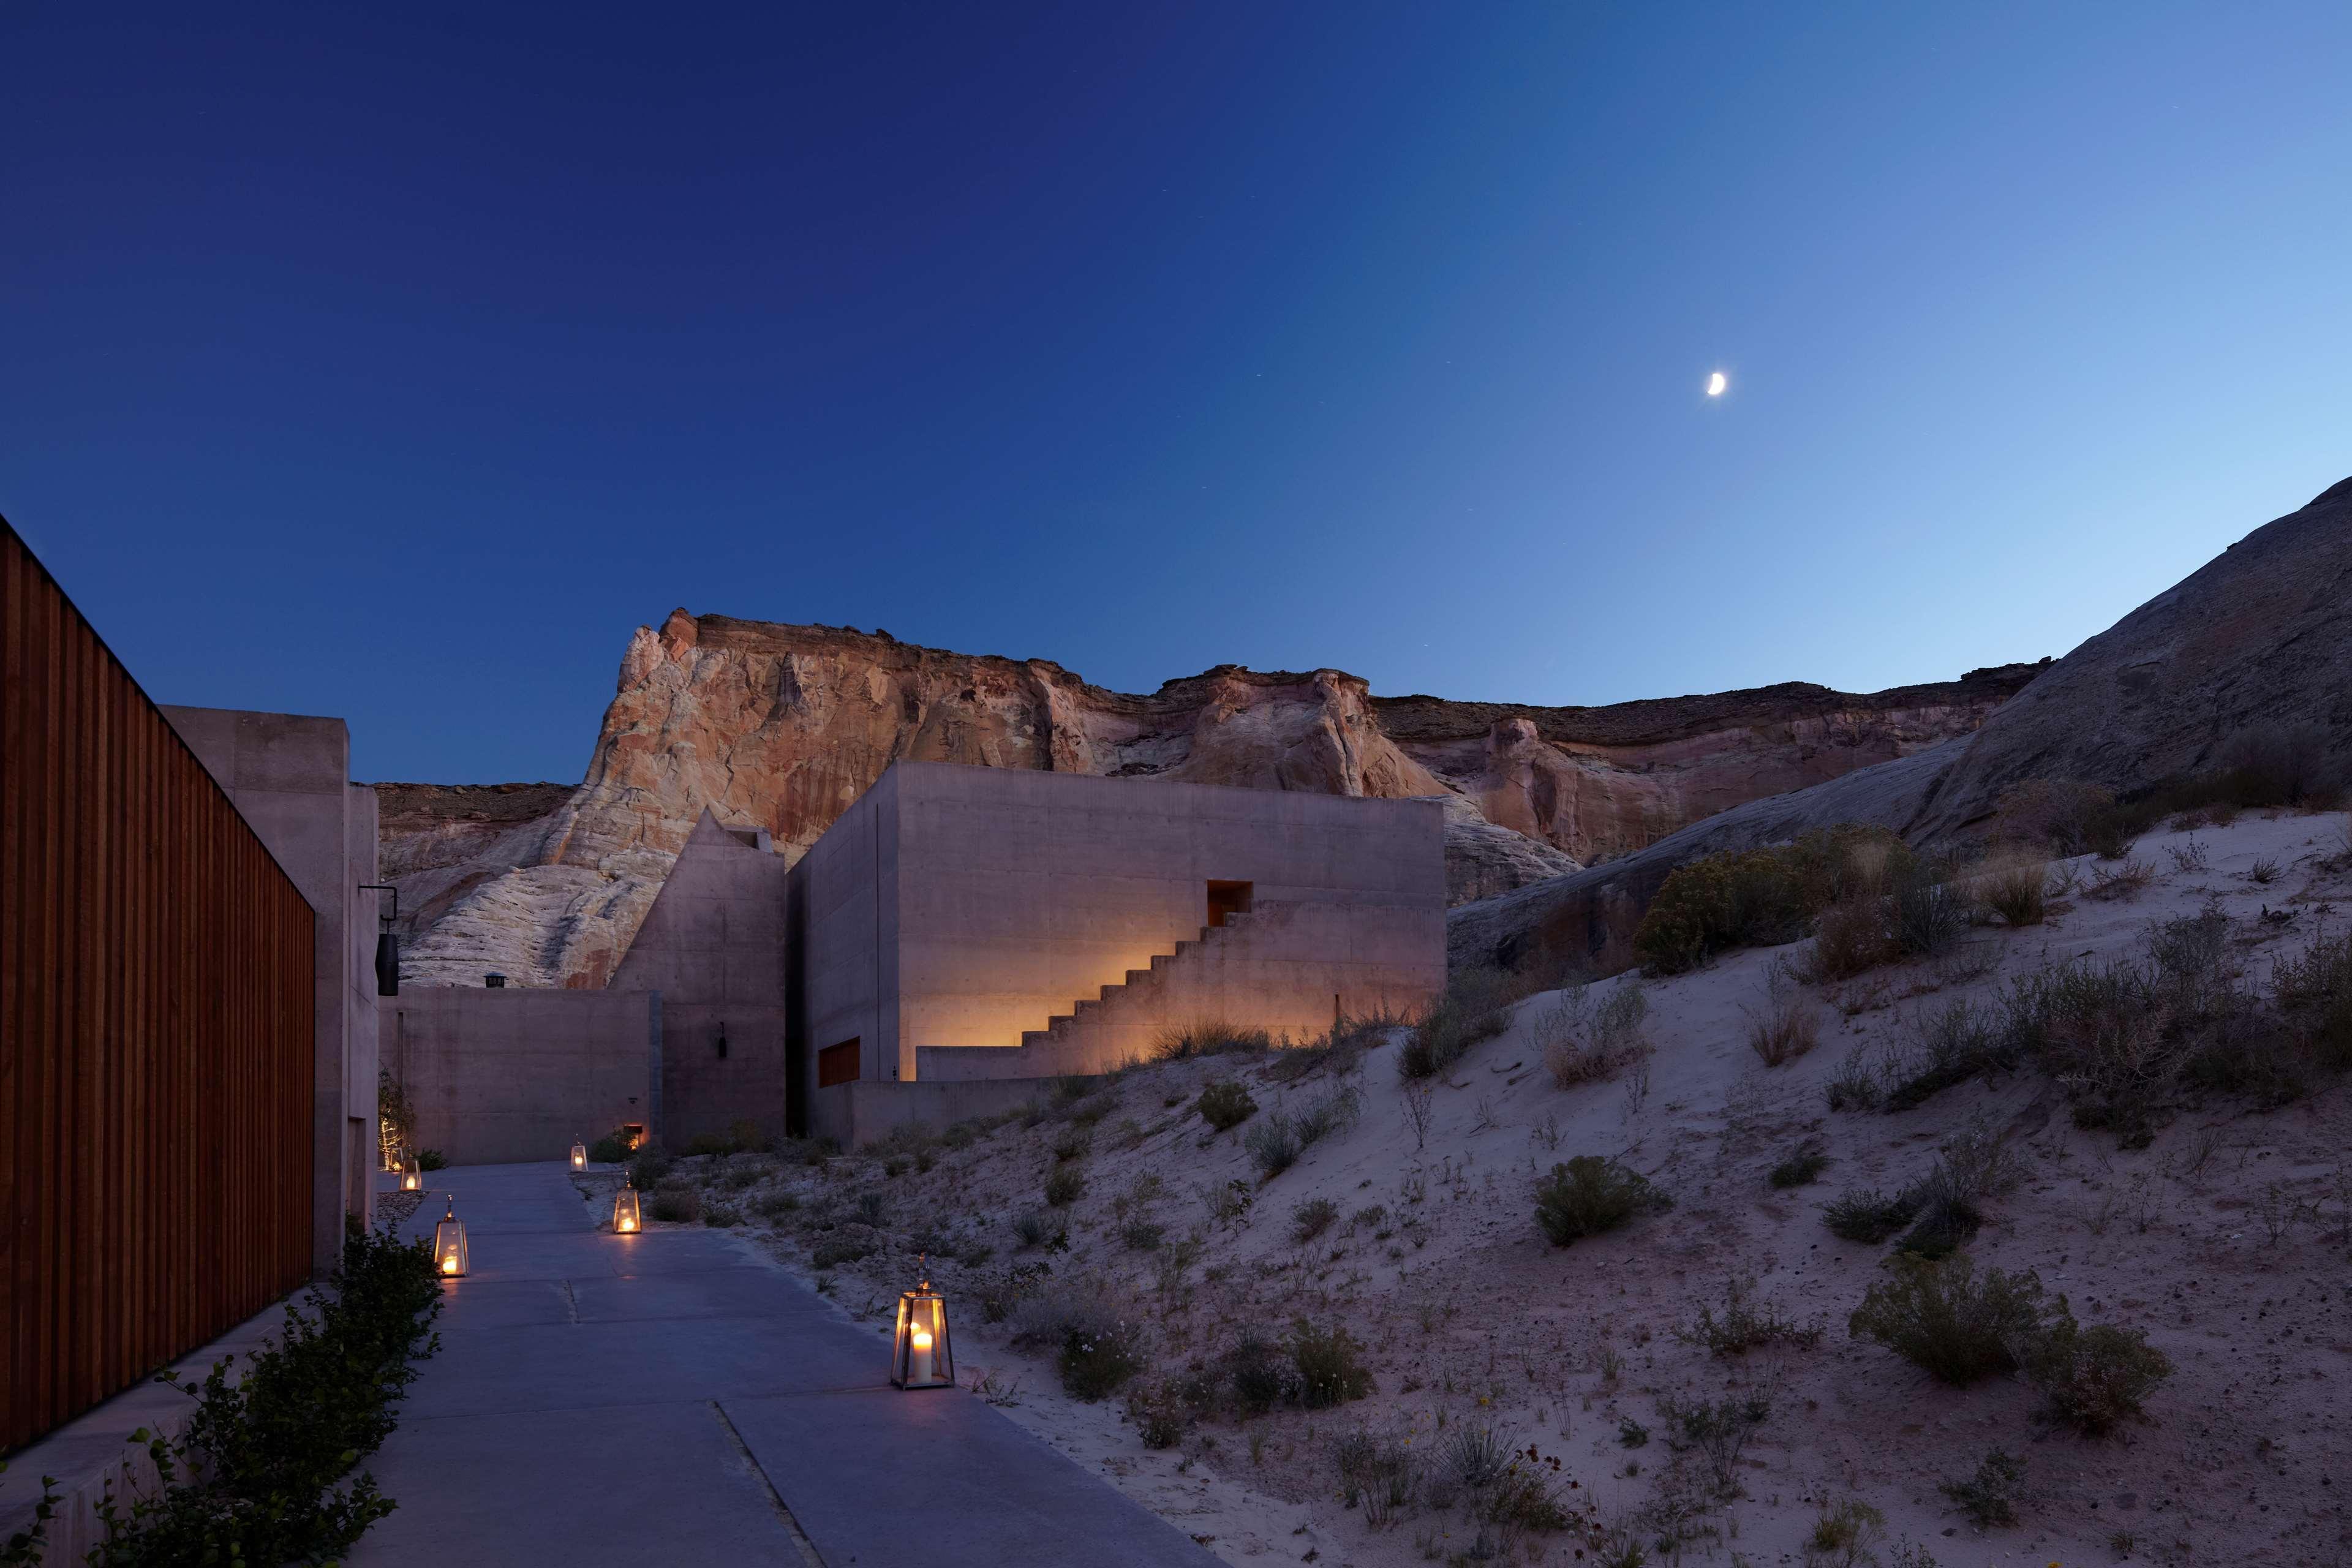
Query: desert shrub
[1744, 1324]
[1584, 1041]
[1210, 1038]
[1801, 1168]
[1975, 1165]
[1954, 1323]
[2312, 992]
[1990, 1496]
[1788, 1025]
[895, 1167]
[1340, 1049]
[737, 1174]
[2280, 764]
[1927, 910]
[703, 1144]
[1589, 1194]
[610, 1150]
[776, 1206]
[432, 1160]
[1718, 1429]
[1949, 1046]
[1869, 1216]
[721, 1216]
[1379, 1472]
[1843, 1534]
[648, 1169]
[1475, 1006]
[1311, 1219]
[872, 1207]
[2055, 815]
[1225, 1104]
[1740, 898]
[837, 1249]
[1141, 1236]
[675, 1201]
[1227, 1203]
[2124, 883]
[1075, 1144]
[1857, 1085]
[1063, 1184]
[1162, 1418]
[1326, 1114]
[1261, 1373]
[1330, 1365]
[1035, 1228]
[1098, 1358]
[2016, 888]
[744, 1137]
[1273, 1145]
[1849, 937]
[2094, 1378]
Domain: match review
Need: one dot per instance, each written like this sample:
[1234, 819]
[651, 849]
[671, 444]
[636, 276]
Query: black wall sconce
[722, 1042]
[387, 946]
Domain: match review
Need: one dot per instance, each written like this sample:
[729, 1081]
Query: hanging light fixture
[627, 1220]
[920, 1356]
[579, 1156]
[387, 946]
[411, 1176]
[449, 1244]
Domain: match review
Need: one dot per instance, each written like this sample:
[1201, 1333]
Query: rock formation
[783, 726]
[2259, 636]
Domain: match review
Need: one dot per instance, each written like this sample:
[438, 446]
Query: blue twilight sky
[395, 362]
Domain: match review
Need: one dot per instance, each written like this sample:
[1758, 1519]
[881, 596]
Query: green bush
[647, 1170]
[1868, 1216]
[744, 1137]
[1801, 1168]
[432, 1160]
[2094, 1378]
[1064, 1185]
[1590, 1195]
[1990, 1496]
[610, 1150]
[1944, 1318]
[1226, 1105]
[675, 1201]
[1330, 1365]
[1262, 1376]
[253, 1476]
[1098, 1358]
[1761, 898]
[1311, 1219]
[836, 1250]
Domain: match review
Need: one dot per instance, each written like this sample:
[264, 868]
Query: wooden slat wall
[155, 1031]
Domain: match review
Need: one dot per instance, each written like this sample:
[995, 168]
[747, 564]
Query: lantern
[449, 1244]
[411, 1176]
[626, 1219]
[921, 1357]
[579, 1156]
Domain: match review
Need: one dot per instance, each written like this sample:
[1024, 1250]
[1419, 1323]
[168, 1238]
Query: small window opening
[1227, 898]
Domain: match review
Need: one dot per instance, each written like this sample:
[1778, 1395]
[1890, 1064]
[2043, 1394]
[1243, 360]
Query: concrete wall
[514, 1075]
[713, 946]
[855, 1114]
[290, 776]
[964, 907]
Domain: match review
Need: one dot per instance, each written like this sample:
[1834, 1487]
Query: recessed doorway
[1227, 898]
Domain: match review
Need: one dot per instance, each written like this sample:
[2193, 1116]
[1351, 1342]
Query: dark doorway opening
[1227, 898]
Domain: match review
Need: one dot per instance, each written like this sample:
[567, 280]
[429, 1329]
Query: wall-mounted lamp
[387, 946]
[722, 1042]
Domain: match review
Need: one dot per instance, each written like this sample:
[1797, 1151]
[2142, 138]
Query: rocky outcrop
[2260, 636]
[783, 726]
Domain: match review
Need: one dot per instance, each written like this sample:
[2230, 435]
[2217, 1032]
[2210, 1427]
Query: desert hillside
[2099, 1092]
[784, 726]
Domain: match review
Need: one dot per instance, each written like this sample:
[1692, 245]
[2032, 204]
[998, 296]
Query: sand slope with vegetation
[2004, 1221]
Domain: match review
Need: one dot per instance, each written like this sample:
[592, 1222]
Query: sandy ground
[2226, 1241]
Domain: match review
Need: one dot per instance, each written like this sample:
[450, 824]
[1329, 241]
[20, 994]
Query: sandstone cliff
[2261, 636]
[783, 726]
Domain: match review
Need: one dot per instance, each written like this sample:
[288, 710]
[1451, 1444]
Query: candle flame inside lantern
[449, 1264]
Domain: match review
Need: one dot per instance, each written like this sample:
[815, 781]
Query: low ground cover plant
[1211, 1038]
[1588, 1196]
[1475, 1006]
[1226, 1105]
[1585, 1041]
[1990, 1496]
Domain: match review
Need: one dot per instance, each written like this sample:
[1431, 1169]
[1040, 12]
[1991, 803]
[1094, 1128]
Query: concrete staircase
[1139, 984]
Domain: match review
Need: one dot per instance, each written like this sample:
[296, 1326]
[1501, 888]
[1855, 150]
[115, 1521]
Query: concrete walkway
[670, 1398]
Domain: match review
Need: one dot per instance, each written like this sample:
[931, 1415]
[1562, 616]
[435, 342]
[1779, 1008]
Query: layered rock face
[2259, 636]
[783, 726]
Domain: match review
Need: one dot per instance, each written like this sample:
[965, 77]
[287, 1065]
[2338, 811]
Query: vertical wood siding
[155, 1031]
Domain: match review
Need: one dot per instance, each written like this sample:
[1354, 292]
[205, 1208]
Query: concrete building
[288, 775]
[957, 935]
[961, 925]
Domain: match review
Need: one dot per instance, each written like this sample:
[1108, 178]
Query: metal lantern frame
[411, 1176]
[629, 1215]
[579, 1156]
[450, 1255]
[922, 1313]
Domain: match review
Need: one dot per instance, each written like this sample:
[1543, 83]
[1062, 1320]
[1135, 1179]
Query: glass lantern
[921, 1357]
[411, 1176]
[627, 1220]
[449, 1244]
[579, 1156]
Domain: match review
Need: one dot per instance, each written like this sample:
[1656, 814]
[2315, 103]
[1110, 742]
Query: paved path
[668, 1398]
